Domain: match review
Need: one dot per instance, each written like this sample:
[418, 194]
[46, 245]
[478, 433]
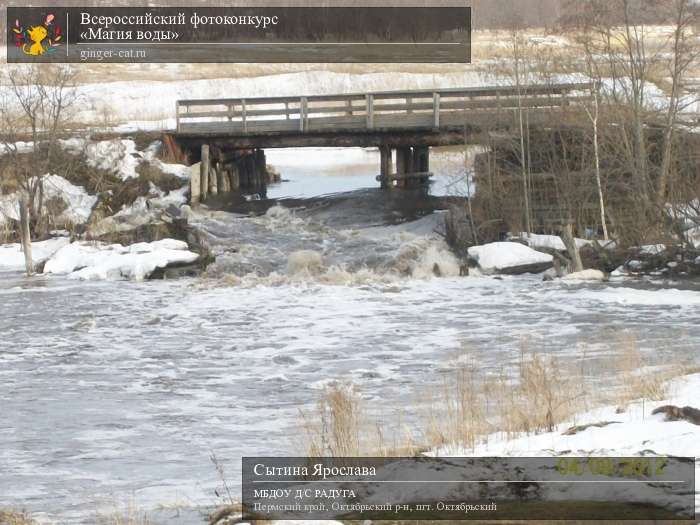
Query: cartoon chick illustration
[37, 35]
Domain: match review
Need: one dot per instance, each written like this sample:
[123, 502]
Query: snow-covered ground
[608, 431]
[632, 431]
[12, 257]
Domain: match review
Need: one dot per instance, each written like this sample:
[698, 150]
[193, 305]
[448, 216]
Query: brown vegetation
[473, 402]
[625, 167]
[11, 517]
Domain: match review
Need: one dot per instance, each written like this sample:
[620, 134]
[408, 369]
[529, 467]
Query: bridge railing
[367, 111]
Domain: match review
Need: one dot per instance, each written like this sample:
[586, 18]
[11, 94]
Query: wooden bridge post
[404, 156]
[436, 110]
[243, 116]
[260, 168]
[221, 178]
[369, 101]
[385, 166]
[195, 184]
[421, 159]
[204, 168]
[303, 109]
[233, 173]
[213, 180]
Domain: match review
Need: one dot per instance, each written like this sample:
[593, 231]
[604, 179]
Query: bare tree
[594, 117]
[684, 15]
[630, 58]
[36, 107]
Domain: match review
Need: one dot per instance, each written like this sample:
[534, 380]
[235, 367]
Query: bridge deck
[282, 121]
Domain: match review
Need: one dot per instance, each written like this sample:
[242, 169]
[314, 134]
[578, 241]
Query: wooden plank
[475, 92]
[488, 118]
[509, 103]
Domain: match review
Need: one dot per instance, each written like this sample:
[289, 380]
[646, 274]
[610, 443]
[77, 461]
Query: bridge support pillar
[260, 169]
[224, 180]
[404, 165]
[195, 185]
[233, 175]
[385, 166]
[213, 179]
[421, 159]
[204, 168]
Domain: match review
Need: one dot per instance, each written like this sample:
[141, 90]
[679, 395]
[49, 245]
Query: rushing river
[119, 391]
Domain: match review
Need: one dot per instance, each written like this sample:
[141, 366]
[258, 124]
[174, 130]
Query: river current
[114, 392]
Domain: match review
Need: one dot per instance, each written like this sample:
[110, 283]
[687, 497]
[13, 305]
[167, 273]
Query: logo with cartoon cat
[38, 40]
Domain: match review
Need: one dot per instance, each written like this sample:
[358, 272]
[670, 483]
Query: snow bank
[652, 249]
[78, 202]
[693, 236]
[179, 170]
[635, 432]
[118, 156]
[549, 242]
[509, 257]
[94, 261]
[585, 275]
[12, 256]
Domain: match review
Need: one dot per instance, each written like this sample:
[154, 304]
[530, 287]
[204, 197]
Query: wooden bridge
[226, 132]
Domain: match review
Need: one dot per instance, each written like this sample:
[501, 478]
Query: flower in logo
[37, 40]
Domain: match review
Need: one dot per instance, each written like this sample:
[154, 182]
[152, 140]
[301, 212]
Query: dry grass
[127, 514]
[639, 380]
[474, 402]
[334, 428]
[11, 517]
[536, 395]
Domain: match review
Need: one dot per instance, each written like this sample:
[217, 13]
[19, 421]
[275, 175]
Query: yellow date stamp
[633, 468]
